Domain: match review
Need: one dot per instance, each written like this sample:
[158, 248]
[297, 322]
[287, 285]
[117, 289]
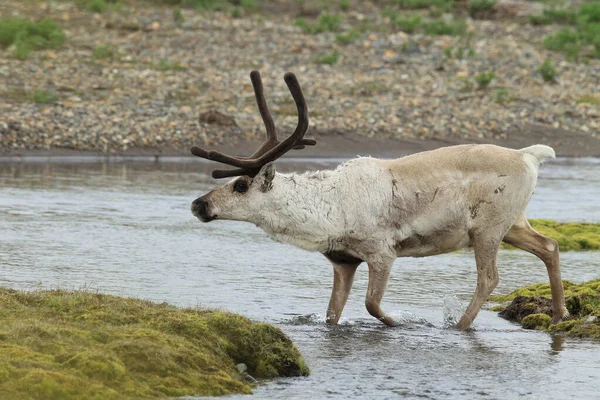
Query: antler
[272, 148]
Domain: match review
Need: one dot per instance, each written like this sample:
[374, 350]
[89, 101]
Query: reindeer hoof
[464, 325]
[560, 316]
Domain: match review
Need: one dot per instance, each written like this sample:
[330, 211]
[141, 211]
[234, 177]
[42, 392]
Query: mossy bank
[569, 235]
[531, 307]
[83, 345]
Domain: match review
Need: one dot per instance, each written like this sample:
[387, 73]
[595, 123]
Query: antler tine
[296, 138]
[262, 105]
[272, 148]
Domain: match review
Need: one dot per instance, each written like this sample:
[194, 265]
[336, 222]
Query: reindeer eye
[240, 186]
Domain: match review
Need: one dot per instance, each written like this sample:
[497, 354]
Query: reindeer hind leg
[524, 237]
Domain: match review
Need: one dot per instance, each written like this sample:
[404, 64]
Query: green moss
[582, 301]
[536, 321]
[591, 288]
[569, 235]
[82, 345]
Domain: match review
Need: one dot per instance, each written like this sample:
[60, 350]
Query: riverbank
[531, 307]
[141, 77]
[332, 144]
[82, 345]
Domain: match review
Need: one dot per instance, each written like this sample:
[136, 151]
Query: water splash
[308, 319]
[408, 318]
[453, 310]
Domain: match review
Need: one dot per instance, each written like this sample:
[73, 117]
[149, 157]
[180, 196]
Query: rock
[523, 306]
[215, 117]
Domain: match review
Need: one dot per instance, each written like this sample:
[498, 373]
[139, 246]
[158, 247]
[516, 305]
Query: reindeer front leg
[379, 273]
[343, 276]
[486, 253]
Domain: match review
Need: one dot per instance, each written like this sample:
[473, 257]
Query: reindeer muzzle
[200, 209]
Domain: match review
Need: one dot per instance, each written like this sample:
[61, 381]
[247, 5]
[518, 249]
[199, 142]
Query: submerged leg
[524, 237]
[343, 276]
[379, 273]
[486, 251]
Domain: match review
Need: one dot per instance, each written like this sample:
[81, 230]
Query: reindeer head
[244, 196]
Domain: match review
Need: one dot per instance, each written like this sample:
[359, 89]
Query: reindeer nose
[199, 205]
[200, 209]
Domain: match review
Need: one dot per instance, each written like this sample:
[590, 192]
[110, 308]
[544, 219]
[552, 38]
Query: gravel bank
[387, 86]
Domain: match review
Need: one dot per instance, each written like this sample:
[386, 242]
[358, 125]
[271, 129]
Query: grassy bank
[531, 307]
[569, 235]
[83, 345]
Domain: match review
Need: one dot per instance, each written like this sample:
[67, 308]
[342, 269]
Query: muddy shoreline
[340, 144]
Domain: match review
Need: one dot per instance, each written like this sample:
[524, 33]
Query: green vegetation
[483, 79]
[594, 100]
[325, 23]
[43, 97]
[102, 52]
[99, 6]
[423, 4]
[554, 16]
[408, 24]
[83, 345]
[166, 65]
[459, 52]
[411, 23]
[345, 5]
[501, 96]
[565, 40]
[440, 27]
[209, 5]
[178, 16]
[582, 300]
[590, 11]
[467, 85]
[479, 8]
[585, 33]
[547, 71]
[27, 36]
[349, 37]
[328, 59]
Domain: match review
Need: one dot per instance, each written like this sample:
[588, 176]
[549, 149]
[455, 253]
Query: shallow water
[126, 229]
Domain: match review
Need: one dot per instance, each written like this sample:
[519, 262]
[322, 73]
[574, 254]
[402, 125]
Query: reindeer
[374, 210]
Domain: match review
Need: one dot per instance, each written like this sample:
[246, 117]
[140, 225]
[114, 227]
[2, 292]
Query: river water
[126, 229]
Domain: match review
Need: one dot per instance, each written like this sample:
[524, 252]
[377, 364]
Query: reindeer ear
[265, 176]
